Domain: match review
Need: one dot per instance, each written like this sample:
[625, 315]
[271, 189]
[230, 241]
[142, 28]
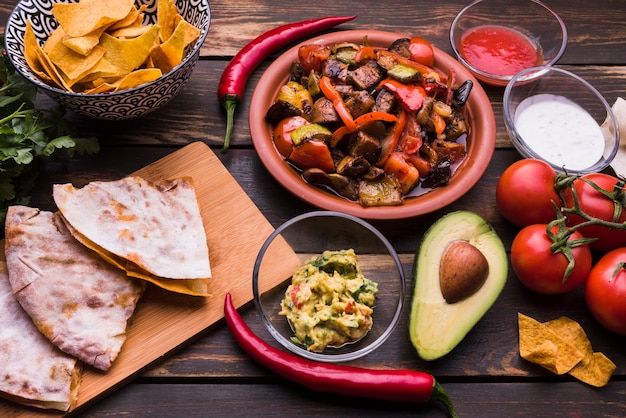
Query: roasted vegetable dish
[373, 125]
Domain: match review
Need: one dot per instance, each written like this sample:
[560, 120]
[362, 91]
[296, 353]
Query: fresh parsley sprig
[29, 135]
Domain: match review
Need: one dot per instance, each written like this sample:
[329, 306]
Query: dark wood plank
[485, 400]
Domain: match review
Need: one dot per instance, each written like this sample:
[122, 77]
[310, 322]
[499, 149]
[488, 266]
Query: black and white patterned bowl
[128, 104]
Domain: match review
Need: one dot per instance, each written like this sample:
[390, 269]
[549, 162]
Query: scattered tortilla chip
[562, 346]
[594, 369]
[540, 345]
[98, 44]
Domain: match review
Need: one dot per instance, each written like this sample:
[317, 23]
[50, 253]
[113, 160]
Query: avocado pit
[463, 270]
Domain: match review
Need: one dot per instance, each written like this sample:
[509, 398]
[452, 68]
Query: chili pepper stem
[229, 102]
[440, 395]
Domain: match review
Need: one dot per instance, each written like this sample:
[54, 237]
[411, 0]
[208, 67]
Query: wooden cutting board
[165, 321]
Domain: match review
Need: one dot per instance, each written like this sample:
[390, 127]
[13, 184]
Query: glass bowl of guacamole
[328, 286]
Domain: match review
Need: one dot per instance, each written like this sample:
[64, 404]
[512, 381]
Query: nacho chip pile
[562, 346]
[103, 46]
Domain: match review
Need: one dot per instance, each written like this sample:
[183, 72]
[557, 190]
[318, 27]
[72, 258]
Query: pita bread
[80, 302]
[153, 231]
[34, 371]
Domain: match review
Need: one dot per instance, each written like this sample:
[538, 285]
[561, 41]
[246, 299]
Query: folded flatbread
[153, 231]
[80, 302]
[34, 371]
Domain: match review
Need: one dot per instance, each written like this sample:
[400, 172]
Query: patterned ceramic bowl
[128, 104]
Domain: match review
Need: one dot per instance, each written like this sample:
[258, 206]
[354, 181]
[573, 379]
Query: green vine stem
[557, 230]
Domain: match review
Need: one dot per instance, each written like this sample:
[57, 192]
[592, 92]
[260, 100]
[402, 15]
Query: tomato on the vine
[540, 269]
[525, 192]
[605, 291]
[595, 204]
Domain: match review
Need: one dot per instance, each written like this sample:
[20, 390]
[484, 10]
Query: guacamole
[329, 302]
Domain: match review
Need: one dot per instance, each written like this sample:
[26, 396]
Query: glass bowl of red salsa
[496, 39]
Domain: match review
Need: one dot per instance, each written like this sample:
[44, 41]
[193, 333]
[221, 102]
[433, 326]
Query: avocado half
[436, 326]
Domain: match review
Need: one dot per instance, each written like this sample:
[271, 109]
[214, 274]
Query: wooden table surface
[484, 375]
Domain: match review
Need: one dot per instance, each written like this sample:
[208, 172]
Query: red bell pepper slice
[365, 53]
[389, 143]
[411, 96]
[333, 95]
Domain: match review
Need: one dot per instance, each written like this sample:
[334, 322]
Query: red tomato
[282, 133]
[541, 270]
[312, 154]
[422, 51]
[525, 192]
[605, 291]
[312, 57]
[599, 206]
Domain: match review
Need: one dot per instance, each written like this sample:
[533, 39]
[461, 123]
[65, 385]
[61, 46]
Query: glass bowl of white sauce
[556, 116]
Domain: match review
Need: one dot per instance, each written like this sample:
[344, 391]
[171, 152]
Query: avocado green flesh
[435, 326]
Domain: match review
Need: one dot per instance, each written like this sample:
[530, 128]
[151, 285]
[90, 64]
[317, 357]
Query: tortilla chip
[562, 346]
[540, 345]
[86, 16]
[594, 369]
[128, 54]
[138, 77]
[33, 50]
[167, 18]
[134, 16]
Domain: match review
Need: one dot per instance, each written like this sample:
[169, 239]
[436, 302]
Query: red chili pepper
[233, 81]
[385, 385]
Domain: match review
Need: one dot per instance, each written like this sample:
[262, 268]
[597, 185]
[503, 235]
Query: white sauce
[560, 131]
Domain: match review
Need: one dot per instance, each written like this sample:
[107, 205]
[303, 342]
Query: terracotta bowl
[480, 141]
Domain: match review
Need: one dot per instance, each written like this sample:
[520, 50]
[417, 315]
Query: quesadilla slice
[81, 303]
[34, 371]
[153, 231]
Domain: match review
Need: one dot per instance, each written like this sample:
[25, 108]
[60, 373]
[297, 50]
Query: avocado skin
[435, 326]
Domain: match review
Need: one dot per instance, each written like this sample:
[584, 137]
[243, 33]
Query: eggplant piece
[461, 94]
[455, 125]
[353, 166]
[280, 110]
[401, 47]
[336, 69]
[386, 191]
[439, 176]
[342, 185]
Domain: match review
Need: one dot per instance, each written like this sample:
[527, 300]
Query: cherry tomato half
[282, 133]
[541, 270]
[605, 291]
[312, 57]
[525, 192]
[595, 204]
[312, 154]
[422, 51]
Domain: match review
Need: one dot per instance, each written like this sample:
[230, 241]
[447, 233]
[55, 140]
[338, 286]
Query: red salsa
[499, 50]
